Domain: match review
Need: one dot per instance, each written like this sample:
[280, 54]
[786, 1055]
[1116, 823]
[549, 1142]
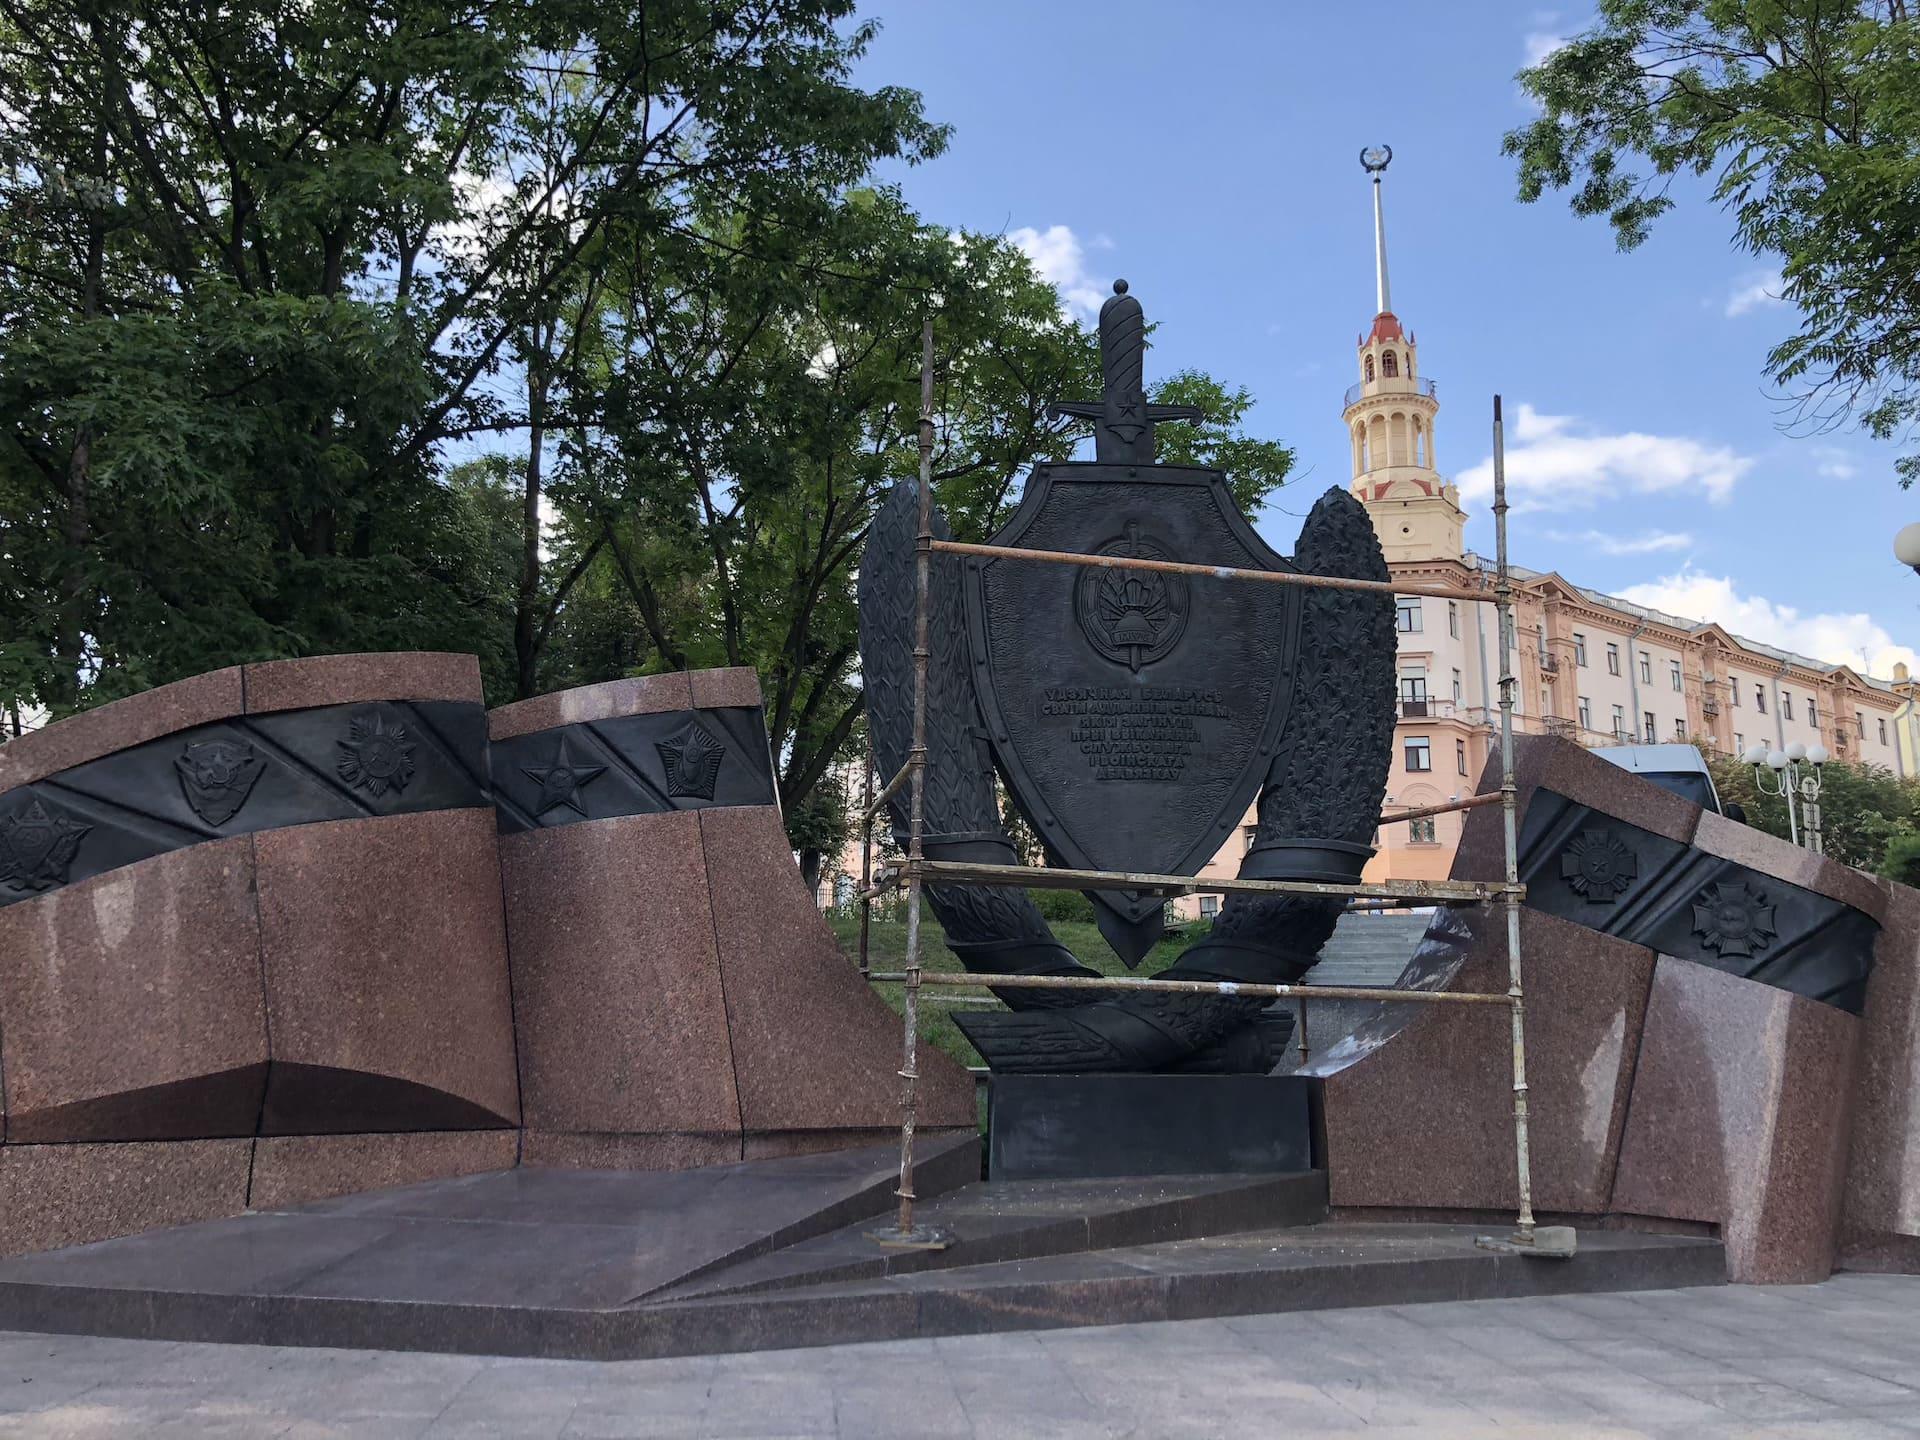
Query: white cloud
[1832, 463]
[1060, 257]
[1558, 462]
[1754, 291]
[1539, 44]
[1838, 639]
[1652, 542]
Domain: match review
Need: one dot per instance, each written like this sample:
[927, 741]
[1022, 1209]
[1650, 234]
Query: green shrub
[1064, 905]
[1902, 860]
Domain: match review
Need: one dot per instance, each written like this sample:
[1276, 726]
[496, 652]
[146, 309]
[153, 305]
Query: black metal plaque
[1133, 713]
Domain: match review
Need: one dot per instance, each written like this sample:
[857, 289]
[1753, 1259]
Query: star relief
[561, 779]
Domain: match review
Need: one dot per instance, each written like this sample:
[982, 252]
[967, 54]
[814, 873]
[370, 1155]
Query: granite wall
[680, 1000]
[254, 945]
[1722, 1028]
[250, 942]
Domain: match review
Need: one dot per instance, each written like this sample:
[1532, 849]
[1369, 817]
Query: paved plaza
[1838, 1359]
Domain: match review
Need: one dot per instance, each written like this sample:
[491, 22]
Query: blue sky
[1207, 153]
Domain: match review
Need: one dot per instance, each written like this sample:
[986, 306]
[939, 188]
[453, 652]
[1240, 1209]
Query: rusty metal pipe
[1242, 989]
[1213, 572]
[1047, 877]
[1472, 802]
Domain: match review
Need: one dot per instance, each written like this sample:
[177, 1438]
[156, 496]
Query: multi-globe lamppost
[1795, 777]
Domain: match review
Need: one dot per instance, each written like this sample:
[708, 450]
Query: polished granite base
[770, 1255]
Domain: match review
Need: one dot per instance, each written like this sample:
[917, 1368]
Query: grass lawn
[887, 947]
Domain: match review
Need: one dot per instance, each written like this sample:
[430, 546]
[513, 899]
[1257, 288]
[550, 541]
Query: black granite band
[632, 765]
[236, 776]
[1586, 866]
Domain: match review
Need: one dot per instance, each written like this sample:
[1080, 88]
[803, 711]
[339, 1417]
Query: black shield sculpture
[1134, 715]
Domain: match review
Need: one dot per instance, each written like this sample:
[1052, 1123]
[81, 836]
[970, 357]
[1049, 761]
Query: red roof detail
[1386, 326]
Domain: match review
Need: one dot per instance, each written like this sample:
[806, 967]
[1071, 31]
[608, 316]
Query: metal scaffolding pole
[905, 1234]
[1516, 994]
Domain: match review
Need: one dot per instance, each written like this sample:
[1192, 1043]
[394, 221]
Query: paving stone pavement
[1840, 1359]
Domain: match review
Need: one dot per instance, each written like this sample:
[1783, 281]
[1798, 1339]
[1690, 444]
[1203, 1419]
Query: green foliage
[1068, 905]
[267, 271]
[1805, 114]
[1902, 859]
[1863, 808]
[259, 263]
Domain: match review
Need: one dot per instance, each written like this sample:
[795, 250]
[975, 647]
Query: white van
[1679, 768]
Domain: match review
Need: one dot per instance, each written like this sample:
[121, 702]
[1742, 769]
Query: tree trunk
[526, 638]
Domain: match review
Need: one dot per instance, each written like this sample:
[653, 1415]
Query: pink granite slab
[714, 689]
[120, 726]
[54, 1195]
[558, 1150]
[617, 987]
[296, 1169]
[1425, 1120]
[386, 975]
[1880, 1228]
[354, 679]
[130, 1003]
[640, 695]
[813, 1046]
[1739, 1114]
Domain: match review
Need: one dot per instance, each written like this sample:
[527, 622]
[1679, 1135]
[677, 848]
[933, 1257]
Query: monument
[1134, 715]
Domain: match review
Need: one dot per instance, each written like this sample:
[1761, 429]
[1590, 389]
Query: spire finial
[1374, 160]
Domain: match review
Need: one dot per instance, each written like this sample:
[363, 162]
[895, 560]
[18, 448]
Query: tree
[1806, 116]
[1862, 807]
[762, 385]
[261, 262]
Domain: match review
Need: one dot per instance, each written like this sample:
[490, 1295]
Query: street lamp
[1906, 546]
[1795, 773]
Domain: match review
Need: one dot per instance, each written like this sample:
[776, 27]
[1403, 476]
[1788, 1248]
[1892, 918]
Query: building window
[1419, 753]
[1389, 365]
[1883, 729]
[1407, 613]
[1760, 697]
[1457, 692]
[1733, 690]
[1860, 724]
[1209, 906]
[1679, 729]
[1646, 668]
[1460, 754]
[1739, 743]
[1579, 649]
[1619, 722]
[1786, 705]
[1420, 832]
[1369, 369]
[1586, 713]
[1813, 712]
[1453, 618]
[1673, 673]
[1413, 694]
[1648, 726]
[1613, 658]
[1247, 832]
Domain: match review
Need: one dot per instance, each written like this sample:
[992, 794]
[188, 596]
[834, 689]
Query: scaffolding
[915, 870]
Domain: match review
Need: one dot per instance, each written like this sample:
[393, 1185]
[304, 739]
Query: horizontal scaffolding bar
[1047, 877]
[1198, 987]
[1215, 572]
[1492, 797]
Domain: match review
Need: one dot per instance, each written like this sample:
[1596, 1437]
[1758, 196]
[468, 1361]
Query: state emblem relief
[1131, 617]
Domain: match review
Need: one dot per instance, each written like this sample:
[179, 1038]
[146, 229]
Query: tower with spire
[1390, 415]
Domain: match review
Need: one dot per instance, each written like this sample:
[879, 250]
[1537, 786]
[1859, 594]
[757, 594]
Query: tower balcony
[1396, 385]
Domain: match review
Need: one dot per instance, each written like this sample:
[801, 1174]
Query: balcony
[1400, 386]
[1549, 665]
[1413, 709]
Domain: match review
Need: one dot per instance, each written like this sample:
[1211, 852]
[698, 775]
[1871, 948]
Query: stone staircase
[1369, 948]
